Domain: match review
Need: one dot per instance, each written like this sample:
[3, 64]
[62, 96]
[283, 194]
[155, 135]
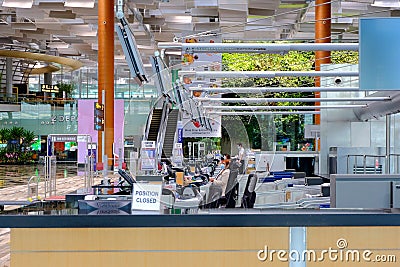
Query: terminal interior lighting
[18, 3]
[79, 3]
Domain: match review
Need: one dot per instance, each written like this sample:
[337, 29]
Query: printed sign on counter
[148, 154]
[146, 197]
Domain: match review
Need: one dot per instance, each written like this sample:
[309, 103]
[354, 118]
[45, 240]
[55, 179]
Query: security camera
[338, 80]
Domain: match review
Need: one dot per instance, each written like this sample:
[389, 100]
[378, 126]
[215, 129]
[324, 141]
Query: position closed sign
[146, 197]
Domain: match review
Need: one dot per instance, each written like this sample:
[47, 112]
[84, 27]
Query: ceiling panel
[264, 4]
[261, 12]
[50, 20]
[52, 5]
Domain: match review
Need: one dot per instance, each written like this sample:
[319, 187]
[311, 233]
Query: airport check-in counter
[300, 161]
[365, 191]
[216, 238]
[149, 178]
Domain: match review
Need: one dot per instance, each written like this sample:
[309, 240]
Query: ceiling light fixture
[386, 3]
[18, 3]
[79, 3]
[58, 45]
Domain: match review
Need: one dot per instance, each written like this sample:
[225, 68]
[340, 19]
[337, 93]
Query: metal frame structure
[50, 184]
[256, 47]
[130, 49]
[265, 112]
[50, 164]
[282, 107]
[267, 74]
[263, 100]
[245, 90]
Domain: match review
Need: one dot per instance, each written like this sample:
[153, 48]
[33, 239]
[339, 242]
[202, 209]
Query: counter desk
[210, 238]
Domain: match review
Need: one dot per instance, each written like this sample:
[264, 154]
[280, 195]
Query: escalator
[155, 125]
[170, 131]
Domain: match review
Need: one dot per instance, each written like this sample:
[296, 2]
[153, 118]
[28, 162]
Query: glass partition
[43, 118]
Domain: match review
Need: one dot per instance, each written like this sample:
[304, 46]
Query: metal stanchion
[50, 165]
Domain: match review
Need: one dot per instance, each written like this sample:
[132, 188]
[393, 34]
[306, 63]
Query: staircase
[20, 75]
[21, 68]
[170, 131]
[154, 125]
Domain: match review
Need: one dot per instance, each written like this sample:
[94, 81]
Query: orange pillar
[322, 35]
[106, 74]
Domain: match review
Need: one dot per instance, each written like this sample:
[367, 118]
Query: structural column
[106, 74]
[388, 143]
[322, 35]
[47, 79]
[9, 77]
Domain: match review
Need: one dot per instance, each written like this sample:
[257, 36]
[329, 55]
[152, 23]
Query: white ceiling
[58, 27]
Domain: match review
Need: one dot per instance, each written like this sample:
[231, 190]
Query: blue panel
[380, 54]
[298, 243]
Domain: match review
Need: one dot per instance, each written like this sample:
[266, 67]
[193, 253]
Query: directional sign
[48, 88]
[98, 116]
[98, 106]
[64, 138]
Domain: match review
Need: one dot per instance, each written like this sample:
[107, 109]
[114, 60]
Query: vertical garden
[264, 130]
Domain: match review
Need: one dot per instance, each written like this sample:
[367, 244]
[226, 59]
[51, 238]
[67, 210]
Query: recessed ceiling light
[386, 3]
[18, 3]
[58, 45]
[79, 3]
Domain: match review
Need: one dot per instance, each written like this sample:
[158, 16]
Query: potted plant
[68, 88]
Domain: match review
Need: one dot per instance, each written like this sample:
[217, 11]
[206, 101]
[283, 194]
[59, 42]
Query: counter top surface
[213, 218]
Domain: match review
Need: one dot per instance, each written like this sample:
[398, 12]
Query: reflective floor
[11, 175]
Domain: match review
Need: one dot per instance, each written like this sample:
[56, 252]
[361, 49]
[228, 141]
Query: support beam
[264, 100]
[254, 90]
[47, 79]
[9, 77]
[282, 107]
[266, 74]
[322, 35]
[388, 142]
[106, 74]
[249, 113]
[187, 48]
[379, 109]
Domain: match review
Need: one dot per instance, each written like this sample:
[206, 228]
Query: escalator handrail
[161, 130]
